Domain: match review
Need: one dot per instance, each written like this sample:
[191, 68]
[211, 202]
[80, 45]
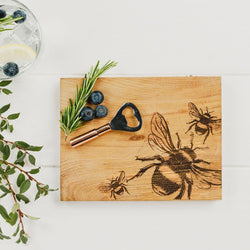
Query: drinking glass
[20, 45]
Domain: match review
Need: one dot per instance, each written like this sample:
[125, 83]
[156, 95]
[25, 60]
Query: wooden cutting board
[114, 166]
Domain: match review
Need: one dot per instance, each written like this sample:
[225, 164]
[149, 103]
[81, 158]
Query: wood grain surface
[90, 172]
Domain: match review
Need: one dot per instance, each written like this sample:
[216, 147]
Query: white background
[147, 38]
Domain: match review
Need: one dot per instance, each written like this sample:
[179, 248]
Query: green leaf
[22, 144]
[6, 152]
[6, 91]
[31, 217]
[21, 158]
[4, 83]
[1, 146]
[1, 170]
[13, 116]
[4, 213]
[25, 186]
[2, 236]
[23, 198]
[11, 128]
[34, 148]
[15, 207]
[34, 171]
[4, 189]
[1, 137]
[32, 159]
[21, 163]
[3, 195]
[19, 154]
[17, 230]
[24, 239]
[20, 179]
[38, 194]
[13, 218]
[11, 171]
[4, 108]
[3, 125]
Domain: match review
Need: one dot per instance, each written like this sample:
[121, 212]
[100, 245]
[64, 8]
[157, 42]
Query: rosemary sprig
[70, 119]
[6, 21]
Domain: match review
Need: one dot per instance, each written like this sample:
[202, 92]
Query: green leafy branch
[5, 124]
[15, 158]
[70, 119]
[5, 121]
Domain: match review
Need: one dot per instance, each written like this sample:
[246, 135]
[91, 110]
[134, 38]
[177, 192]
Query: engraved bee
[204, 121]
[115, 186]
[179, 168]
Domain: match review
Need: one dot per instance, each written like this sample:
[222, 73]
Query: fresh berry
[87, 114]
[19, 13]
[2, 13]
[96, 97]
[101, 111]
[10, 69]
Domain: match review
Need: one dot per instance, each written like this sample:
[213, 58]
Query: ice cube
[23, 32]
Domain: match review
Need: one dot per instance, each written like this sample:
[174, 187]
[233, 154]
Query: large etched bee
[115, 186]
[177, 171]
[203, 122]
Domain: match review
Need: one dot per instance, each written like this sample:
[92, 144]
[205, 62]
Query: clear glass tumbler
[20, 44]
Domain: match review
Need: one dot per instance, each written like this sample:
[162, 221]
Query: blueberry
[2, 13]
[96, 97]
[87, 114]
[19, 13]
[101, 111]
[10, 69]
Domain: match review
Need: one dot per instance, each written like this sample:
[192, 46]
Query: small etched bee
[115, 186]
[204, 121]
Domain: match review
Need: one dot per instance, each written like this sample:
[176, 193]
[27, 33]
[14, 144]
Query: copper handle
[92, 134]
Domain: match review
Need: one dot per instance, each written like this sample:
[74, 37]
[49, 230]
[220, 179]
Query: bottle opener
[119, 122]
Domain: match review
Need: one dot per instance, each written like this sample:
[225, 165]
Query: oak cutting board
[150, 164]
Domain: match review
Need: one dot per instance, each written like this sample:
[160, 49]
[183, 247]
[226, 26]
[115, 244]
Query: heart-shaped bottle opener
[119, 122]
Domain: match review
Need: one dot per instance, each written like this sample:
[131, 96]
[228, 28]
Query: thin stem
[4, 118]
[12, 143]
[23, 171]
[20, 213]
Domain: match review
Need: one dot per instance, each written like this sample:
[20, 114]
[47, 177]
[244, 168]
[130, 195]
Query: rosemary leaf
[7, 21]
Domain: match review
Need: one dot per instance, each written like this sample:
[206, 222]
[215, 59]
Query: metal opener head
[119, 122]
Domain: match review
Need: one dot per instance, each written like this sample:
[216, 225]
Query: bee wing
[160, 134]
[104, 188]
[205, 178]
[193, 110]
[121, 177]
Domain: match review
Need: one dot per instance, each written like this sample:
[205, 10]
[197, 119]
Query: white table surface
[147, 38]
